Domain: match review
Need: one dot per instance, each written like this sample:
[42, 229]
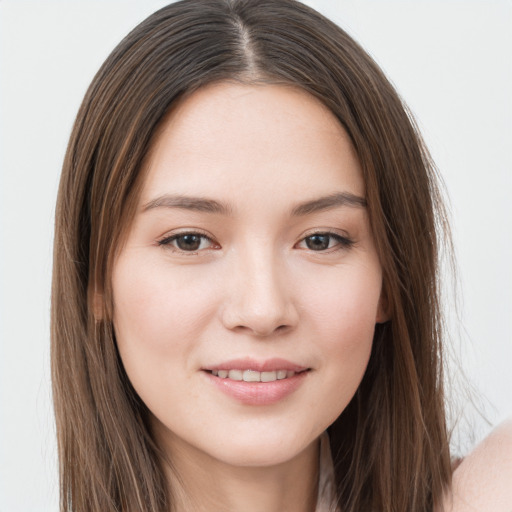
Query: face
[247, 292]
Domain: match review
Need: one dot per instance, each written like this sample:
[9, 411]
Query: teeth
[253, 376]
[268, 376]
[235, 374]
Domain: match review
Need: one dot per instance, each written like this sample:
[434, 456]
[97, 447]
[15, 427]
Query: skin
[254, 287]
[482, 482]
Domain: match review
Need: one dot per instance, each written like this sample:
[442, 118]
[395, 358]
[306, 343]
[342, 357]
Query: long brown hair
[390, 445]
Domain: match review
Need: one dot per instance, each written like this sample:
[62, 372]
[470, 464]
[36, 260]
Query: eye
[324, 241]
[187, 242]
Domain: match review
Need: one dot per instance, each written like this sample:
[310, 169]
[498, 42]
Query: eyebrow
[198, 204]
[329, 202]
[201, 204]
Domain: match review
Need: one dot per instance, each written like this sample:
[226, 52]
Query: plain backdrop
[450, 60]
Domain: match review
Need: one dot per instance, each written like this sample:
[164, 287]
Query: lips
[257, 382]
[269, 365]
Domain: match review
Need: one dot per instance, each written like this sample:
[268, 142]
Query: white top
[326, 489]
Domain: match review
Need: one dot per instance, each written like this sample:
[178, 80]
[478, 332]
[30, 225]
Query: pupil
[189, 242]
[317, 242]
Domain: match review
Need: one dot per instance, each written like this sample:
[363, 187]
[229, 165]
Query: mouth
[253, 382]
[254, 375]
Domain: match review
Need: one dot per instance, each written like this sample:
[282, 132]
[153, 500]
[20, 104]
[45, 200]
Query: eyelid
[344, 240]
[166, 240]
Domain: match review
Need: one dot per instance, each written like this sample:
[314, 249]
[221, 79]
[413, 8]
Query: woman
[246, 257]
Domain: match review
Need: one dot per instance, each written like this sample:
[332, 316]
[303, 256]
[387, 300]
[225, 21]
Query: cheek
[342, 315]
[344, 304]
[158, 316]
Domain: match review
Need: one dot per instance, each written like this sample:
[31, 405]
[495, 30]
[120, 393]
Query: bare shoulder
[483, 481]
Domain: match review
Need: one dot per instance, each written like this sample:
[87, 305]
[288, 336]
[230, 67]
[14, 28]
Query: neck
[203, 484]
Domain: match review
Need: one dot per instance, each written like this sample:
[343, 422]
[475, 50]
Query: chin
[261, 448]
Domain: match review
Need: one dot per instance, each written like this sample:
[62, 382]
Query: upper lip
[268, 365]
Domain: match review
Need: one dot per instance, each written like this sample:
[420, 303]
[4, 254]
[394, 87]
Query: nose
[260, 297]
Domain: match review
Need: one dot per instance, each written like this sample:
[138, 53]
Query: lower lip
[258, 393]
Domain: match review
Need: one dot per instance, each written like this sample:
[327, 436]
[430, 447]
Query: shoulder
[483, 480]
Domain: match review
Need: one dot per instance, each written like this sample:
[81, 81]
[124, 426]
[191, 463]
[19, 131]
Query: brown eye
[187, 242]
[318, 242]
[323, 241]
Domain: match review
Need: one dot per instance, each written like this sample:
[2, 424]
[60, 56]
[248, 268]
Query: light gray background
[451, 61]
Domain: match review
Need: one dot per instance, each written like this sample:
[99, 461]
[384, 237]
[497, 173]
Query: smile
[253, 375]
[256, 383]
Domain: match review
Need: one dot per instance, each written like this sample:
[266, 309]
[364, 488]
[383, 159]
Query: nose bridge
[260, 296]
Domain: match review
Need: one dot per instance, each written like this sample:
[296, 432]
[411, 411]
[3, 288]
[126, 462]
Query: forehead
[239, 141]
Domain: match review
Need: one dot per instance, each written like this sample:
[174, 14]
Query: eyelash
[343, 242]
[168, 241]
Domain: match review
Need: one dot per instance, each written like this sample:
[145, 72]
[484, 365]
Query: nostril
[280, 329]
